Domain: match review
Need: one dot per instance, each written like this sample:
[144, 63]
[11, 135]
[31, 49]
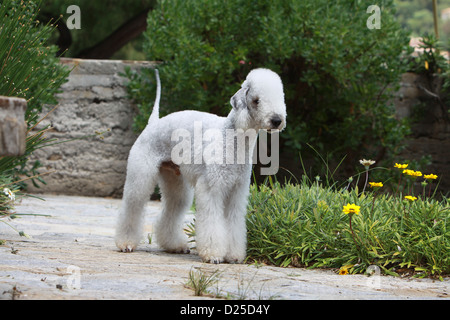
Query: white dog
[213, 158]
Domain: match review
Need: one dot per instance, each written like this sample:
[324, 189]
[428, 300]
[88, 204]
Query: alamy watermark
[374, 279]
[216, 146]
[73, 282]
[374, 21]
[74, 20]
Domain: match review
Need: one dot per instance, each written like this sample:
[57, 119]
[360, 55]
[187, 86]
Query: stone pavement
[71, 255]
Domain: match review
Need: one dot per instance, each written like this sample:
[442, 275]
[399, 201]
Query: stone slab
[71, 255]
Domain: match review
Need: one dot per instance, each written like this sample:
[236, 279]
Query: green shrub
[29, 70]
[339, 76]
[304, 225]
[28, 66]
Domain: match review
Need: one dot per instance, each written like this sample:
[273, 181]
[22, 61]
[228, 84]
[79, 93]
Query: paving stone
[71, 255]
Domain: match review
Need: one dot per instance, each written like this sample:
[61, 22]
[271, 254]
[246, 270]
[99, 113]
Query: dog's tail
[155, 112]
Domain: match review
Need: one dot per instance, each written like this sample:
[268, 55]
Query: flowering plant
[376, 184]
[411, 198]
[351, 209]
[318, 225]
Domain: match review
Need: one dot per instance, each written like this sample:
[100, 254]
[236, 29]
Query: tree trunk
[124, 34]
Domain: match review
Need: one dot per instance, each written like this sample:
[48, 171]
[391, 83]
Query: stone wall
[430, 131]
[12, 126]
[95, 99]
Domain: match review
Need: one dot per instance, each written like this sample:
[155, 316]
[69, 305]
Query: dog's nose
[275, 121]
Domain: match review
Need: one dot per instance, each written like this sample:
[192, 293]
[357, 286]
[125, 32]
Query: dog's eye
[256, 101]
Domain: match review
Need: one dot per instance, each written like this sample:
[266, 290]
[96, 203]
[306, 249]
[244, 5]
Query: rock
[12, 126]
[93, 100]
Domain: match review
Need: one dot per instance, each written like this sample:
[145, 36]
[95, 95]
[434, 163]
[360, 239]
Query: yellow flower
[376, 184]
[417, 174]
[412, 173]
[343, 271]
[351, 208]
[430, 176]
[426, 65]
[411, 198]
[401, 166]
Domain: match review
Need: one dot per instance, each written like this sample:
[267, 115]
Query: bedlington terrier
[191, 151]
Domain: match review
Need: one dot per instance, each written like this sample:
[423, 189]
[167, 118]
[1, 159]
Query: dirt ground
[70, 254]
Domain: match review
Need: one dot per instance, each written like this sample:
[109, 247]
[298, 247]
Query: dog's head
[259, 104]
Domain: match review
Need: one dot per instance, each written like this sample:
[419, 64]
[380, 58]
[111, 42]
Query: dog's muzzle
[276, 123]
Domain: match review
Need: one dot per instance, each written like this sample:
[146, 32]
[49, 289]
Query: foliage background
[417, 17]
[98, 20]
[339, 76]
[29, 70]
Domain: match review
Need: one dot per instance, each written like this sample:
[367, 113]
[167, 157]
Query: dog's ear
[239, 100]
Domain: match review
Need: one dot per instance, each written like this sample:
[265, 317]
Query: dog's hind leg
[177, 196]
[140, 182]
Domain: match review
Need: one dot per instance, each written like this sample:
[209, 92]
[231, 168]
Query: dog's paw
[126, 245]
[234, 260]
[213, 260]
[173, 246]
[179, 250]
[236, 257]
[127, 248]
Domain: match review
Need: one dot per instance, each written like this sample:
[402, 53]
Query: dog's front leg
[211, 236]
[235, 211]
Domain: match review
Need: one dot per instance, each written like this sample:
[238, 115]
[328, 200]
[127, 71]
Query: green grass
[304, 225]
[200, 281]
